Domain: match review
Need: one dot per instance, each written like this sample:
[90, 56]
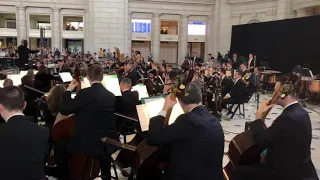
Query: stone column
[155, 40]
[216, 28]
[209, 39]
[87, 30]
[284, 9]
[183, 39]
[21, 24]
[56, 30]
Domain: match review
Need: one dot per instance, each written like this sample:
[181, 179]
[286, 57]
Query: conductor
[24, 52]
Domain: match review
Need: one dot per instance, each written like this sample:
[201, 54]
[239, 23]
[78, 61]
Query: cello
[242, 149]
[148, 159]
[79, 164]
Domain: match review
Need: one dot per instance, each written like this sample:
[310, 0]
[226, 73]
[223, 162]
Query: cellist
[196, 138]
[93, 110]
[287, 141]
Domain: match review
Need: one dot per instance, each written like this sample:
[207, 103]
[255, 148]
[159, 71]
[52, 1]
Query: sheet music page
[142, 90]
[112, 84]
[16, 78]
[73, 95]
[154, 106]
[23, 73]
[143, 117]
[66, 77]
[1, 83]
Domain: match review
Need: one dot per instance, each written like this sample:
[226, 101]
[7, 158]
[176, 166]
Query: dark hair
[43, 70]
[126, 81]
[209, 54]
[223, 70]
[291, 83]
[12, 98]
[95, 72]
[193, 94]
[173, 75]
[27, 80]
[54, 97]
[239, 71]
[7, 82]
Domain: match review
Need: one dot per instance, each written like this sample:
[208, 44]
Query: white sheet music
[154, 106]
[1, 83]
[142, 90]
[143, 117]
[66, 76]
[110, 82]
[23, 73]
[73, 95]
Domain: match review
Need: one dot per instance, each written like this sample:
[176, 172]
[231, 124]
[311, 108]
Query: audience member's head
[222, 71]
[27, 80]
[95, 73]
[43, 70]
[125, 84]
[11, 101]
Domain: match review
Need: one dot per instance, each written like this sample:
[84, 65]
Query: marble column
[87, 29]
[155, 40]
[183, 39]
[21, 24]
[56, 30]
[284, 9]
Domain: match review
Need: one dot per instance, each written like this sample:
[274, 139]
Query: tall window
[11, 24]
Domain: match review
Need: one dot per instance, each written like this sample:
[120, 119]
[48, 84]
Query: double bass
[78, 163]
[242, 149]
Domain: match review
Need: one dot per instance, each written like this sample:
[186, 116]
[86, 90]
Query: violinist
[226, 82]
[287, 141]
[196, 138]
[93, 110]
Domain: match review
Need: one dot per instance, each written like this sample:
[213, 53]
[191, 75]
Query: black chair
[113, 165]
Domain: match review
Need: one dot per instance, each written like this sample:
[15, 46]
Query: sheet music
[1, 83]
[73, 95]
[142, 90]
[110, 82]
[23, 73]
[143, 117]
[16, 78]
[66, 76]
[154, 106]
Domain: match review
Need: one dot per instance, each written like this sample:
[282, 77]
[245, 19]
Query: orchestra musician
[250, 62]
[196, 138]
[235, 61]
[23, 143]
[244, 69]
[237, 92]
[130, 73]
[126, 104]
[7, 82]
[93, 110]
[226, 82]
[287, 141]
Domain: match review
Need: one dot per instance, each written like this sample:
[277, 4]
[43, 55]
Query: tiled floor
[237, 124]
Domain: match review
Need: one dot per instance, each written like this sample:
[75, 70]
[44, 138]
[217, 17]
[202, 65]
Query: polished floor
[237, 124]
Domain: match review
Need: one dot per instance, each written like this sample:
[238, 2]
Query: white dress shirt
[15, 114]
[295, 102]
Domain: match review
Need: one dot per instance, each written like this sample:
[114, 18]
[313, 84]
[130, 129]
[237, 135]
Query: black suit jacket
[197, 142]
[238, 91]
[23, 55]
[288, 142]
[226, 85]
[126, 104]
[23, 148]
[134, 76]
[93, 108]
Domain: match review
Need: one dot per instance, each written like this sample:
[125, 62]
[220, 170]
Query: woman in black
[44, 78]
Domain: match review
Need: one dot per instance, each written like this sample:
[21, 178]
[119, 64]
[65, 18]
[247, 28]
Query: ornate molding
[190, 2]
[301, 4]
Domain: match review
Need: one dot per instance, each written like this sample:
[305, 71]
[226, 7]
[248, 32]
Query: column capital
[55, 9]
[21, 7]
[155, 14]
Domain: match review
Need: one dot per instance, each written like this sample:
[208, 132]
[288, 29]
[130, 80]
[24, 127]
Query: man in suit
[237, 93]
[287, 141]
[251, 62]
[93, 109]
[126, 104]
[130, 73]
[196, 138]
[235, 61]
[24, 52]
[23, 143]
[226, 82]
